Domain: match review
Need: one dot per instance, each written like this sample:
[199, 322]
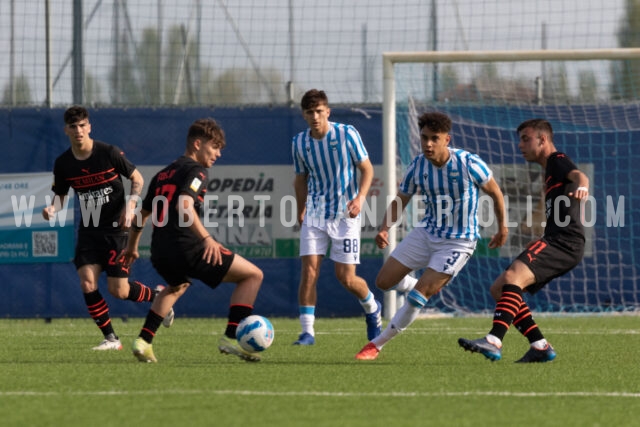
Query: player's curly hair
[435, 122]
[206, 129]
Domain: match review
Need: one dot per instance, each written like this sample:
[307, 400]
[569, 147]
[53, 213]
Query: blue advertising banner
[25, 236]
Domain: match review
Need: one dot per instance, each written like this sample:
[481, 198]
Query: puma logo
[85, 170]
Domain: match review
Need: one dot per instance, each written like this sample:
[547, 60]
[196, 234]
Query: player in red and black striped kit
[558, 251]
[181, 247]
[94, 170]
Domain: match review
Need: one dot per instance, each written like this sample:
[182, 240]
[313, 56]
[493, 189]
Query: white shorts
[342, 233]
[420, 249]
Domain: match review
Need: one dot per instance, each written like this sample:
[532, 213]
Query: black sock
[506, 309]
[150, 327]
[99, 312]
[236, 314]
[526, 325]
[139, 292]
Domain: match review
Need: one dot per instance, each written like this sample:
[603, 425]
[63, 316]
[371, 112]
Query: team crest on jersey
[454, 175]
[333, 144]
[195, 184]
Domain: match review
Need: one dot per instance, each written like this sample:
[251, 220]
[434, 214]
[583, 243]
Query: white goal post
[390, 59]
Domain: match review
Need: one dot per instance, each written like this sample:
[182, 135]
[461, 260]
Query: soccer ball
[255, 333]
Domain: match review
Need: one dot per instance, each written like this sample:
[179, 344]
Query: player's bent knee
[179, 289]
[255, 276]
[347, 282]
[383, 284]
[118, 293]
[496, 292]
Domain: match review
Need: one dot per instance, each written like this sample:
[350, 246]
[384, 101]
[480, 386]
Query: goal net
[591, 98]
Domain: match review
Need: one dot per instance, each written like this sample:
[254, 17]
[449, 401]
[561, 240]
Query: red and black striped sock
[526, 325]
[150, 327]
[99, 311]
[139, 292]
[236, 314]
[506, 310]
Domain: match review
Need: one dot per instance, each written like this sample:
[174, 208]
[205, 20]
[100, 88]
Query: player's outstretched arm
[582, 192]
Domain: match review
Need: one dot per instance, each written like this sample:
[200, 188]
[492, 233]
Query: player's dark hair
[435, 122]
[312, 98]
[206, 130]
[539, 125]
[75, 114]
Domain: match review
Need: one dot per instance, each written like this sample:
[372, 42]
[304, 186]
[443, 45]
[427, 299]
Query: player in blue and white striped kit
[450, 180]
[327, 158]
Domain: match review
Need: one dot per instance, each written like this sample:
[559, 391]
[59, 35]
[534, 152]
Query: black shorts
[102, 248]
[549, 258]
[179, 269]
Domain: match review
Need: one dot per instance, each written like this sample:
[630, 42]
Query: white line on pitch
[326, 393]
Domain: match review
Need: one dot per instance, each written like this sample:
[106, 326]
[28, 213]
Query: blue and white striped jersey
[451, 193]
[331, 167]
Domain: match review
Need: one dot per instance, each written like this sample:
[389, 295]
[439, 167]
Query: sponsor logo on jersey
[195, 185]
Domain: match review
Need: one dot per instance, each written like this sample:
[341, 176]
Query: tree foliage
[172, 74]
[21, 91]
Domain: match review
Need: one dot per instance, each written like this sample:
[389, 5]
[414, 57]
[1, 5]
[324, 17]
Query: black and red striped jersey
[97, 182]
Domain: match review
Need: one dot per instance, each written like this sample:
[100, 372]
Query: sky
[336, 45]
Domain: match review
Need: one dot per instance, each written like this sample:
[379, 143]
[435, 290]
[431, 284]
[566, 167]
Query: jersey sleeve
[408, 184]
[195, 181]
[60, 185]
[562, 165]
[357, 150]
[123, 166]
[478, 170]
[299, 165]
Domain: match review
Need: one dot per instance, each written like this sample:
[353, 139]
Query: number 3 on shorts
[451, 261]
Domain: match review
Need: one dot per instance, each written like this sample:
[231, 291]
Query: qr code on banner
[44, 243]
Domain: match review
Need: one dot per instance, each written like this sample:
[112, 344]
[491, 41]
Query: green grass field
[49, 376]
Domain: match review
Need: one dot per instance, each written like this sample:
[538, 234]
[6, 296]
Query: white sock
[494, 340]
[540, 344]
[403, 318]
[307, 319]
[406, 284]
[368, 303]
